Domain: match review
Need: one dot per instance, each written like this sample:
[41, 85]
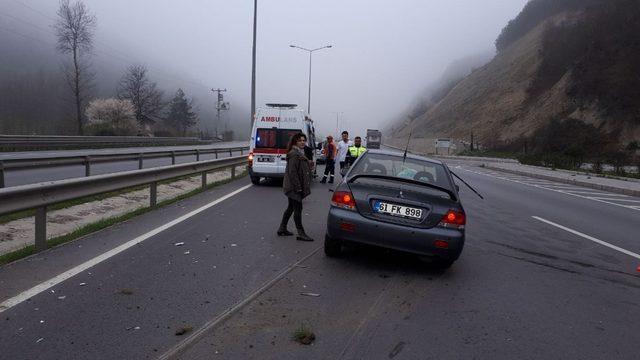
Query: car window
[274, 138]
[393, 165]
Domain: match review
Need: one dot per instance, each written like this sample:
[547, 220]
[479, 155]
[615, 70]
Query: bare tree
[74, 30]
[143, 94]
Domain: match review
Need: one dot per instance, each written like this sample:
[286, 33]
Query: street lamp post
[310, 51]
[253, 61]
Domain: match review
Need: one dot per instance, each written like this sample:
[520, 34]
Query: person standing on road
[330, 156]
[356, 150]
[343, 149]
[296, 186]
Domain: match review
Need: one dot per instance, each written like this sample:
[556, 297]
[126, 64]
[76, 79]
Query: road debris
[37, 341]
[62, 297]
[83, 284]
[310, 294]
[126, 292]
[233, 245]
[184, 330]
[179, 244]
[187, 252]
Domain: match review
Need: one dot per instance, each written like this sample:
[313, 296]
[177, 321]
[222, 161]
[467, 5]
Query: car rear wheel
[255, 180]
[332, 247]
[442, 264]
[437, 263]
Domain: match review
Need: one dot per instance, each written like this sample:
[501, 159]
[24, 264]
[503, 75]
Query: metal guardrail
[87, 161]
[43, 142]
[39, 196]
[457, 157]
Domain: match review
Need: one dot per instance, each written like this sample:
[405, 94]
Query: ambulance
[273, 127]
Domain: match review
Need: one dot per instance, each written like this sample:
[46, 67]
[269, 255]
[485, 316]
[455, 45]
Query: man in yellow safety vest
[355, 150]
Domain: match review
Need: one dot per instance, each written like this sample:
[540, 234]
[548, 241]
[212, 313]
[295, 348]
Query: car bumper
[359, 229]
[265, 174]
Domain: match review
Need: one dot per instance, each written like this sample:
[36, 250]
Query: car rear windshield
[392, 165]
[274, 138]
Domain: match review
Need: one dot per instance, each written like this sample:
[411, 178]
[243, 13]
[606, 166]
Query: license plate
[397, 210]
[266, 159]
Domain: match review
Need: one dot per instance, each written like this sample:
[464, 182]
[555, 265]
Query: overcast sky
[384, 52]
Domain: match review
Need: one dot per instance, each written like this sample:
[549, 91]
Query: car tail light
[441, 244]
[343, 199]
[250, 159]
[453, 219]
[348, 227]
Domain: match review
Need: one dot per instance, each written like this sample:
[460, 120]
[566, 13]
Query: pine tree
[181, 116]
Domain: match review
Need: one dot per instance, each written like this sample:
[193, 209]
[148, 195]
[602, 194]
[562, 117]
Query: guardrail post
[230, 152]
[1, 174]
[87, 166]
[173, 158]
[41, 228]
[197, 154]
[241, 151]
[216, 152]
[233, 172]
[204, 179]
[153, 194]
[140, 161]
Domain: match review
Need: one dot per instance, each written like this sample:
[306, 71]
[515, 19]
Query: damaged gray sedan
[406, 203]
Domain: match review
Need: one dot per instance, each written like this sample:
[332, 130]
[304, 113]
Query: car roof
[400, 154]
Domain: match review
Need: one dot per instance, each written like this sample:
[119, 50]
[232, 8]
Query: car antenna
[464, 182]
[406, 148]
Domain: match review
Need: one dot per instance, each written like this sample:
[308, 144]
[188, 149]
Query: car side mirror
[344, 171]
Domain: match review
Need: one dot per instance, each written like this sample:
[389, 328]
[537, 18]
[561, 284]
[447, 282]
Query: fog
[384, 54]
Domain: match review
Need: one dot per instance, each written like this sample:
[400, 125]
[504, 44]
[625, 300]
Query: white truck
[273, 127]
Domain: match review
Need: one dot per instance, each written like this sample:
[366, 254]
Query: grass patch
[67, 204]
[63, 205]
[104, 223]
[304, 335]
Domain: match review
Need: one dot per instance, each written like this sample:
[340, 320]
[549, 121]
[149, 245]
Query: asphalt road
[14, 177]
[523, 288]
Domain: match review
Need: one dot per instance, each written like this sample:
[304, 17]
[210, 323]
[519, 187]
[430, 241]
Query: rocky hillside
[558, 60]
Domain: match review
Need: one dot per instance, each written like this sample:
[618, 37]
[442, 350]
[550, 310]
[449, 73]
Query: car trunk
[433, 203]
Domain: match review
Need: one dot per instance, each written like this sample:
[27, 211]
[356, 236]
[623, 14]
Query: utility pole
[220, 105]
[253, 62]
[472, 141]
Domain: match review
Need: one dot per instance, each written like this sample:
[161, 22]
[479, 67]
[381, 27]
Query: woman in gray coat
[296, 186]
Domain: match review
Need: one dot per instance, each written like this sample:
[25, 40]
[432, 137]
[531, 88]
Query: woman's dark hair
[294, 140]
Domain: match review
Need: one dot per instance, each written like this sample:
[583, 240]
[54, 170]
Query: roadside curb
[567, 181]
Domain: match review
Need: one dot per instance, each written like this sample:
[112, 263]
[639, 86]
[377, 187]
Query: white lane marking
[560, 191]
[597, 241]
[625, 200]
[598, 193]
[27, 294]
